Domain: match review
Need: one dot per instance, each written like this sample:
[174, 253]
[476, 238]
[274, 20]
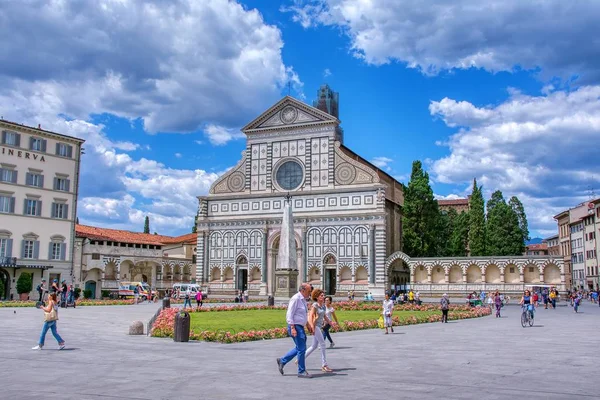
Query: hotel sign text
[23, 154]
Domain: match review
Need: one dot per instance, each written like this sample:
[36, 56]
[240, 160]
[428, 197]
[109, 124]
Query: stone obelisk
[286, 274]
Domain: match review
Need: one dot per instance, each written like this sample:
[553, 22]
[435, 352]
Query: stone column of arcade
[286, 275]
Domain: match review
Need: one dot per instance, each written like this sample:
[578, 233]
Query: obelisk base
[286, 284]
[263, 289]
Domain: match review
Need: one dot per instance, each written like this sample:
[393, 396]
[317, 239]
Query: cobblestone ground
[485, 358]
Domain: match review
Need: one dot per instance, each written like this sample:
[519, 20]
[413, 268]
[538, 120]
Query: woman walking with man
[317, 319]
[50, 318]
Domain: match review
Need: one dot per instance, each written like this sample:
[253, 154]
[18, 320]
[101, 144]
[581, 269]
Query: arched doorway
[91, 286]
[398, 274]
[242, 273]
[4, 284]
[330, 269]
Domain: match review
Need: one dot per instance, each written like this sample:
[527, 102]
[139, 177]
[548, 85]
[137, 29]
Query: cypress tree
[518, 208]
[147, 225]
[476, 222]
[421, 214]
[444, 231]
[504, 236]
[459, 238]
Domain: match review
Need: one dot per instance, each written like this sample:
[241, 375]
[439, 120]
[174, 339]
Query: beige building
[537, 249]
[103, 257]
[39, 177]
[553, 245]
[459, 205]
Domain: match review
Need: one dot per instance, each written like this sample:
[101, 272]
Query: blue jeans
[299, 350]
[187, 301]
[52, 326]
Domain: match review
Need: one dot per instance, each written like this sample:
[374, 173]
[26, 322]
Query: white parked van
[184, 287]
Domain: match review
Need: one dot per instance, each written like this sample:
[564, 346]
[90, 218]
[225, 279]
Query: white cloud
[219, 135]
[540, 148]
[198, 142]
[382, 162]
[326, 73]
[176, 65]
[497, 35]
[451, 196]
[178, 155]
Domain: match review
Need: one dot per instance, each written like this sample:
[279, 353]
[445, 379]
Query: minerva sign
[23, 154]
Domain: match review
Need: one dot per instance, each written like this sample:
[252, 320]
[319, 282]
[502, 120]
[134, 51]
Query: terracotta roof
[116, 235]
[454, 202]
[537, 246]
[190, 238]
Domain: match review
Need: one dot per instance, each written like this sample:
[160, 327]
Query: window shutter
[57, 148]
[3, 137]
[9, 243]
[18, 139]
[25, 207]
[12, 205]
[55, 183]
[66, 211]
[63, 251]
[41, 181]
[44, 145]
[68, 186]
[14, 176]
[53, 210]
[28, 178]
[31, 139]
[22, 248]
[70, 151]
[50, 251]
[36, 249]
[2, 171]
[38, 209]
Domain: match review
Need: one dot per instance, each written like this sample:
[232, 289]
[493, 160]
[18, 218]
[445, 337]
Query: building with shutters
[39, 173]
[347, 212]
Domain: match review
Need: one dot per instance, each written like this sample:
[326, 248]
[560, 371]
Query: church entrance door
[242, 279]
[330, 282]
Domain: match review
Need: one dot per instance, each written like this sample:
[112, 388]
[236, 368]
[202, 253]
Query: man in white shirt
[296, 318]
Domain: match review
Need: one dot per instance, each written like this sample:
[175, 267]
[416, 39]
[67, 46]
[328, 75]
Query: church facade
[347, 212]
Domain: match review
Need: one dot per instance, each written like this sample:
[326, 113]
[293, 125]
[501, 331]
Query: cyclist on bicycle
[527, 302]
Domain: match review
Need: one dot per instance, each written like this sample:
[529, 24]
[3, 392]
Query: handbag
[51, 316]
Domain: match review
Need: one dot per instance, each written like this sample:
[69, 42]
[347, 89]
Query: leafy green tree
[459, 238]
[476, 222]
[421, 214]
[503, 234]
[518, 208]
[25, 283]
[147, 225]
[444, 230]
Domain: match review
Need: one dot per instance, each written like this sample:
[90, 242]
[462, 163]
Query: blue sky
[506, 92]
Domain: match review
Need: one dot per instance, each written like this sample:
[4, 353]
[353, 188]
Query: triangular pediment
[289, 112]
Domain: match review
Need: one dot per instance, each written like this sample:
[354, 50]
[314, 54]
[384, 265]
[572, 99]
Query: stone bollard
[182, 327]
[166, 302]
[270, 301]
[136, 328]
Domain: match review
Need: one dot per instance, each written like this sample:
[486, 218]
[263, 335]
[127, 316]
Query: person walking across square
[445, 306]
[50, 318]
[296, 318]
[388, 308]
[316, 319]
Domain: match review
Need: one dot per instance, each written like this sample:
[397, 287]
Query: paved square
[485, 358]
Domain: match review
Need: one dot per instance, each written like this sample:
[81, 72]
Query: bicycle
[527, 315]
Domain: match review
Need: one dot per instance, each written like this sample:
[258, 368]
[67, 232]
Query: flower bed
[212, 301]
[163, 326]
[80, 302]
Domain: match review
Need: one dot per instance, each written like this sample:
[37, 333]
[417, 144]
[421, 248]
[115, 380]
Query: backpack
[38, 288]
[444, 303]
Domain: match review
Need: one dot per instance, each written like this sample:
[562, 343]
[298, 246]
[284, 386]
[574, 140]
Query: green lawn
[238, 321]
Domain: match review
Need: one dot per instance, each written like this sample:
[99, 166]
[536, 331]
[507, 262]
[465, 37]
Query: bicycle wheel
[523, 319]
[530, 318]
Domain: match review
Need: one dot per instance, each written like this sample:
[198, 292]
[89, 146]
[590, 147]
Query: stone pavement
[485, 358]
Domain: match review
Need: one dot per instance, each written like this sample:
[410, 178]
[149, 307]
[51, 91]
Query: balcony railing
[8, 261]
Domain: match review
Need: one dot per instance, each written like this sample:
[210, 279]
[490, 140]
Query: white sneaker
[38, 347]
[61, 346]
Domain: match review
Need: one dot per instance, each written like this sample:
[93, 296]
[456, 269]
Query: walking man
[296, 318]
[41, 288]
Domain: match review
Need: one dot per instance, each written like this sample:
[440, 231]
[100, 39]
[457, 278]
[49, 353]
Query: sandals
[325, 368]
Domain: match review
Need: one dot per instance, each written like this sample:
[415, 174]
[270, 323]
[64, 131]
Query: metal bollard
[271, 301]
[182, 327]
[166, 302]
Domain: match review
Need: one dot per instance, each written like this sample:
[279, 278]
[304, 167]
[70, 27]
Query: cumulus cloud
[496, 35]
[540, 148]
[219, 135]
[382, 162]
[177, 65]
[326, 73]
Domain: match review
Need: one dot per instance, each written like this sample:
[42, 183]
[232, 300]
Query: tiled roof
[537, 246]
[454, 202]
[190, 238]
[117, 235]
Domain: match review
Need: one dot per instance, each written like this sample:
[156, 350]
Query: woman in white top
[317, 319]
[330, 314]
[388, 309]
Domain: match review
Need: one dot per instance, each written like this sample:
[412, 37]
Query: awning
[33, 266]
